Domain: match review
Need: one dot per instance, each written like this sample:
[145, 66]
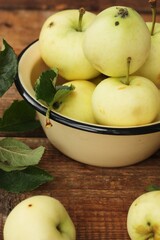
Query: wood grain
[97, 199]
[91, 5]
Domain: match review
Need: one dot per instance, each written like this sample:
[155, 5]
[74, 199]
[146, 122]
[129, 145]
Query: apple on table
[39, 218]
[143, 217]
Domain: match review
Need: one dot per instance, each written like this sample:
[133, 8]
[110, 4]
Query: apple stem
[128, 70]
[81, 13]
[153, 4]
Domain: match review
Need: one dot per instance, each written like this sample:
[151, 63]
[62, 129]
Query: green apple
[143, 217]
[78, 104]
[61, 40]
[116, 102]
[150, 69]
[39, 218]
[117, 33]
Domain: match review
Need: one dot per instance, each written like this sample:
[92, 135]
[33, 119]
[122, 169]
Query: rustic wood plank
[22, 27]
[141, 6]
[97, 199]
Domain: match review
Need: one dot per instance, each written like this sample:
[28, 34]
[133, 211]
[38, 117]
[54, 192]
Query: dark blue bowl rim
[135, 130]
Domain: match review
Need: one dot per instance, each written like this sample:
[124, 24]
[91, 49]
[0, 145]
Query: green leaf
[23, 181]
[8, 67]
[47, 91]
[15, 154]
[152, 188]
[9, 168]
[61, 93]
[50, 94]
[19, 117]
[44, 87]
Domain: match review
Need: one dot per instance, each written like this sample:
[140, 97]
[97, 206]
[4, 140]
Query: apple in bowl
[117, 103]
[78, 104]
[61, 40]
[150, 69]
[117, 33]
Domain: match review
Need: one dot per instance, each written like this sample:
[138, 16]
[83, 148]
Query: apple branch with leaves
[49, 93]
[18, 162]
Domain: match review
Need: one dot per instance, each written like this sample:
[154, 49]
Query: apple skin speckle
[122, 12]
[51, 24]
[116, 23]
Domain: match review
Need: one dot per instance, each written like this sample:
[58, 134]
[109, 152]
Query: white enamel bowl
[103, 146]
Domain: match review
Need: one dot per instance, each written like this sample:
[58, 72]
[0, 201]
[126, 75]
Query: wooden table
[97, 199]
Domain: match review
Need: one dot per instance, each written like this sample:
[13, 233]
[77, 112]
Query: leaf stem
[81, 13]
[128, 70]
[153, 4]
[48, 121]
[1, 43]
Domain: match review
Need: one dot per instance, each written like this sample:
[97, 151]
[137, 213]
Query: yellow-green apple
[150, 69]
[77, 105]
[116, 102]
[39, 218]
[117, 33]
[143, 217]
[61, 40]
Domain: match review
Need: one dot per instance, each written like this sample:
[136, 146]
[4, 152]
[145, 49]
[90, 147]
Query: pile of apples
[111, 58]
